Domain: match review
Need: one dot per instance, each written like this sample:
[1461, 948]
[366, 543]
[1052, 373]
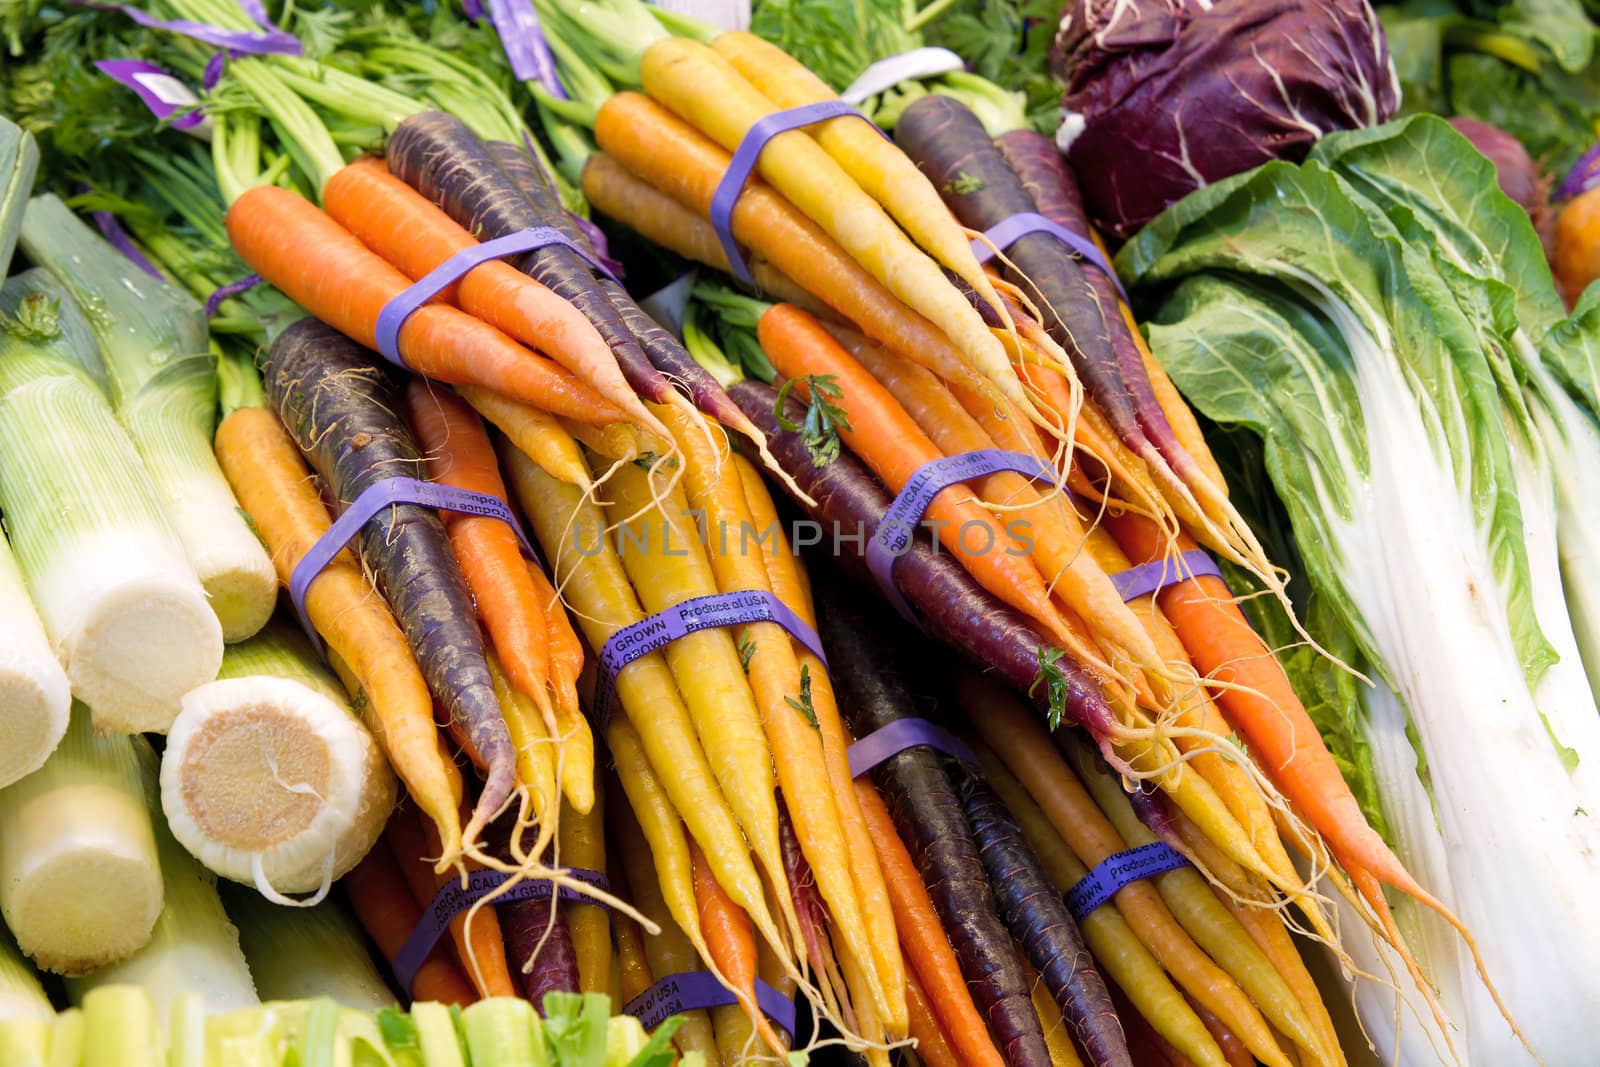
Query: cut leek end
[84, 907]
[24, 1006]
[265, 779]
[243, 593]
[146, 644]
[34, 708]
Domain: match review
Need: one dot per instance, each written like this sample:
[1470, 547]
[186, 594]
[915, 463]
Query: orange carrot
[384, 907]
[407, 230]
[323, 268]
[933, 1048]
[732, 943]
[887, 439]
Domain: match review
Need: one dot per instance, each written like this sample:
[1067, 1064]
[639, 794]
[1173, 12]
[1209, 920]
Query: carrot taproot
[536, 747]
[661, 552]
[288, 241]
[1023, 746]
[580, 842]
[672, 949]
[1127, 963]
[886, 438]
[537, 433]
[702, 87]
[383, 905]
[718, 490]
[648, 140]
[1179, 415]
[270, 479]
[932, 1046]
[633, 968]
[1232, 1048]
[409, 232]
[1063, 1053]
[566, 665]
[571, 528]
[732, 943]
[813, 917]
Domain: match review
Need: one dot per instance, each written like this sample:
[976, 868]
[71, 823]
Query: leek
[118, 598]
[299, 953]
[21, 995]
[80, 882]
[164, 387]
[34, 698]
[193, 946]
[19, 159]
[268, 778]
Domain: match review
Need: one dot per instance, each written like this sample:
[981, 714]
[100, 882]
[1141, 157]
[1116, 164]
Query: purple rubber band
[694, 990]
[243, 285]
[655, 632]
[1008, 231]
[894, 738]
[744, 162]
[452, 900]
[375, 498]
[893, 536]
[440, 278]
[1118, 871]
[161, 91]
[272, 42]
[1156, 575]
[1584, 175]
[522, 38]
[112, 230]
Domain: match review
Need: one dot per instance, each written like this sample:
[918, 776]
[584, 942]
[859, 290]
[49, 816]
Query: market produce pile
[976, 534]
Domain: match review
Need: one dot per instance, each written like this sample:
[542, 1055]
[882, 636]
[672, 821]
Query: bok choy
[1400, 412]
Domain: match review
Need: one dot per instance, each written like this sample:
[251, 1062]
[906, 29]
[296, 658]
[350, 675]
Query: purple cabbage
[1164, 96]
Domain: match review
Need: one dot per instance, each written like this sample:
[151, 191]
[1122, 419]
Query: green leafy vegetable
[824, 417]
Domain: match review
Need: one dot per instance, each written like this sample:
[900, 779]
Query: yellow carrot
[537, 433]
[580, 842]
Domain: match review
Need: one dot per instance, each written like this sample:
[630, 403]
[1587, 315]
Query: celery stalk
[163, 379]
[24, 1042]
[504, 1032]
[117, 595]
[437, 1035]
[119, 1028]
[21, 995]
[66, 1040]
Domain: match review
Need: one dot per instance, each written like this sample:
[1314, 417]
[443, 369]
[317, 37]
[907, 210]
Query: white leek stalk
[80, 883]
[34, 697]
[301, 953]
[268, 778]
[21, 995]
[19, 159]
[163, 380]
[193, 947]
[119, 600]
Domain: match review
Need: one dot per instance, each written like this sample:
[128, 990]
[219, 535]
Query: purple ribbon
[273, 42]
[452, 900]
[1156, 575]
[1584, 175]
[523, 40]
[655, 632]
[245, 284]
[694, 990]
[1118, 871]
[744, 161]
[376, 497]
[113, 232]
[893, 738]
[1010, 230]
[440, 278]
[161, 91]
[894, 534]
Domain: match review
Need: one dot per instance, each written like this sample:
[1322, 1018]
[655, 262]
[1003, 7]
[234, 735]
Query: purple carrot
[1039, 920]
[1054, 190]
[870, 664]
[949, 143]
[340, 408]
[808, 905]
[850, 502]
[534, 932]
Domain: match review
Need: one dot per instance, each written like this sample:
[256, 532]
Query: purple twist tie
[1584, 175]
[161, 91]
[1118, 871]
[655, 632]
[692, 990]
[744, 161]
[112, 230]
[893, 738]
[1156, 575]
[376, 497]
[525, 46]
[1009, 231]
[243, 285]
[272, 42]
[894, 534]
[440, 278]
[452, 900]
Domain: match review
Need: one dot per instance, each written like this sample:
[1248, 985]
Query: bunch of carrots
[922, 902]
